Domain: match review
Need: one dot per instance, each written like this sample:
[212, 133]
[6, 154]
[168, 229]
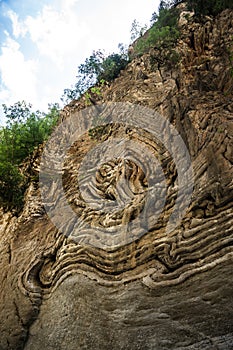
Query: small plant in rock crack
[93, 92]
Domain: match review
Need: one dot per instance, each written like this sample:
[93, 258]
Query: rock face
[161, 290]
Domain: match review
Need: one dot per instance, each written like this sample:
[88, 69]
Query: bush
[167, 17]
[111, 67]
[11, 186]
[23, 132]
[200, 7]
[209, 7]
[157, 37]
[164, 31]
[95, 69]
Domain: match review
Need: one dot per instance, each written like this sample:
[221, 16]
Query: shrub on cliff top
[163, 32]
[95, 69]
[209, 7]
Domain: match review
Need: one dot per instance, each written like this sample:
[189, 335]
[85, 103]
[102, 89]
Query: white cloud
[57, 33]
[18, 27]
[18, 75]
[67, 5]
[43, 79]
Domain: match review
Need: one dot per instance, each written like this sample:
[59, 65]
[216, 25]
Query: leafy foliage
[112, 66]
[200, 7]
[167, 4]
[12, 186]
[95, 69]
[137, 30]
[24, 131]
[164, 30]
[209, 7]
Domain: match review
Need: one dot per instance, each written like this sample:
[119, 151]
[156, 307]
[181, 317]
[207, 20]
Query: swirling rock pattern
[158, 291]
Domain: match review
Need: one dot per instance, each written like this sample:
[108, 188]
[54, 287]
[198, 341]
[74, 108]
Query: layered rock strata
[158, 290]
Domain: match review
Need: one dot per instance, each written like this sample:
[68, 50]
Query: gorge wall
[159, 290]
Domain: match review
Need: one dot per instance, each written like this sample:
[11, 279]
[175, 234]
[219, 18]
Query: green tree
[209, 7]
[11, 186]
[137, 30]
[111, 67]
[96, 68]
[24, 131]
[164, 31]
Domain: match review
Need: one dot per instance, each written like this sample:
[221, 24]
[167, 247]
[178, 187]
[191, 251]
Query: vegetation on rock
[209, 7]
[97, 68]
[24, 131]
[164, 31]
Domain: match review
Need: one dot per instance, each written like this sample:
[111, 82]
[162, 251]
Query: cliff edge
[161, 289]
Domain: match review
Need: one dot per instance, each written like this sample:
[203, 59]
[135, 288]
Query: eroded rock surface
[159, 290]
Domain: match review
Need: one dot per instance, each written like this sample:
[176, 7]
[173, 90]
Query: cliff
[80, 288]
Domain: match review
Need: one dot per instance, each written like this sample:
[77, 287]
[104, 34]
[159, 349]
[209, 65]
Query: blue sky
[43, 42]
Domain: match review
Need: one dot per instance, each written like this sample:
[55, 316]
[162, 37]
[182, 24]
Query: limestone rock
[159, 291]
